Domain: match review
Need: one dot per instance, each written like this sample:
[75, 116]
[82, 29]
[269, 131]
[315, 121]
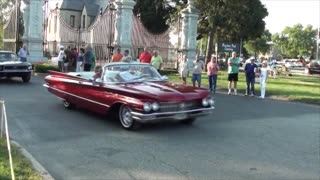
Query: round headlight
[205, 102]
[147, 107]
[211, 101]
[29, 67]
[155, 106]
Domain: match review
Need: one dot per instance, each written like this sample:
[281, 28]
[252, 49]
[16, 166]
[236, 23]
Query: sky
[284, 13]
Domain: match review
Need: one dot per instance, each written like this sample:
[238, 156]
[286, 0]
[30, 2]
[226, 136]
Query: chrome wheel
[67, 104]
[126, 117]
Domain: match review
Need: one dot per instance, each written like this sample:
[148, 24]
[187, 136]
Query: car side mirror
[164, 78]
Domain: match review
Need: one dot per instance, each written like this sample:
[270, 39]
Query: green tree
[296, 41]
[5, 15]
[156, 15]
[5, 6]
[258, 45]
[230, 20]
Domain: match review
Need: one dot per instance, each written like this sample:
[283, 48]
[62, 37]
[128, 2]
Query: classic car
[11, 66]
[244, 62]
[133, 93]
[313, 67]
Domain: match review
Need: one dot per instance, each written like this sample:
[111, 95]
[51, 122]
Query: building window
[72, 17]
[84, 21]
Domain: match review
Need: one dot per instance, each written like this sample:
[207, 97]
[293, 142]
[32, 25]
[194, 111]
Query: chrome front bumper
[15, 71]
[177, 116]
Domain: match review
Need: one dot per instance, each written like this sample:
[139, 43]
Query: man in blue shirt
[250, 71]
[88, 57]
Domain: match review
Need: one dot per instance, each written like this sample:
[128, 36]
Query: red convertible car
[133, 93]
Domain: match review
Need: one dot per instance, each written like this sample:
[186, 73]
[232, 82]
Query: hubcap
[66, 103]
[125, 117]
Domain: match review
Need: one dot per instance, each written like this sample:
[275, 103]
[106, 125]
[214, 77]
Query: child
[263, 79]
[98, 73]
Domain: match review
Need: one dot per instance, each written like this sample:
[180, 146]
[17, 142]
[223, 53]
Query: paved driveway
[246, 138]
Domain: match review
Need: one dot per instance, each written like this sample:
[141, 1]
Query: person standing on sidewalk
[263, 78]
[117, 56]
[183, 69]
[60, 58]
[94, 60]
[66, 60]
[156, 60]
[23, 53]
[126, 57]
[72, 60]
[80, 60]
[145, 56]
[233, 70]
[196, 72]
[88, 56]
[250, 72]
[212, 72]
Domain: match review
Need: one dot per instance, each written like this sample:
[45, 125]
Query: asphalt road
[245, 138]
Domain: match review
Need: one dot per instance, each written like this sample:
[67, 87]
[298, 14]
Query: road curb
[36, 165]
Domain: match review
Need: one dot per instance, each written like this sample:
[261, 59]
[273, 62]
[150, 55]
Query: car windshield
[7, 57]
[315, 63]
[126, 73]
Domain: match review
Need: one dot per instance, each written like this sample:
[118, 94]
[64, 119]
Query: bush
[45, 67]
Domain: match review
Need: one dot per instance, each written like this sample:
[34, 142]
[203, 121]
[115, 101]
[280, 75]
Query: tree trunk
[209, 47]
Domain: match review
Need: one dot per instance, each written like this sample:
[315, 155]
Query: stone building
[66, 16]
[78, 13]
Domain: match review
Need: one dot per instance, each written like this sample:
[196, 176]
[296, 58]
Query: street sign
[228, 47]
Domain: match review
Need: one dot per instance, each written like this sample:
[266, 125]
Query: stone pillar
[189, 30]
[33, 35]
[123, 24]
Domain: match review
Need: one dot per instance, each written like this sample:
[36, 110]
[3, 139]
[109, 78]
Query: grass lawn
[297, 88]
[22, 167]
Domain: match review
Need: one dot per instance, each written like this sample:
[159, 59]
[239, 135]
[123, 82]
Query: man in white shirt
[126, 57]
[196, 71]
[23, 53]
[60, 58]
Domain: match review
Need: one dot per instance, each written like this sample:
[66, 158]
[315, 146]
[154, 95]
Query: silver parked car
[11, 66]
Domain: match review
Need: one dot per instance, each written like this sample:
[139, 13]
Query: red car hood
[165, 91]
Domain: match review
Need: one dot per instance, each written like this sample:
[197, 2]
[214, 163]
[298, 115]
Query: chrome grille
[15, 67]
[179, 106]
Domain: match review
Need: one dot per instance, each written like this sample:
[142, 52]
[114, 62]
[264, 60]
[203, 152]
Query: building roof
[72, 5]
[92, 9]
[92, 6]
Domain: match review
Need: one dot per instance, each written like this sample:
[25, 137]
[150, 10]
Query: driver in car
[98, 73]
